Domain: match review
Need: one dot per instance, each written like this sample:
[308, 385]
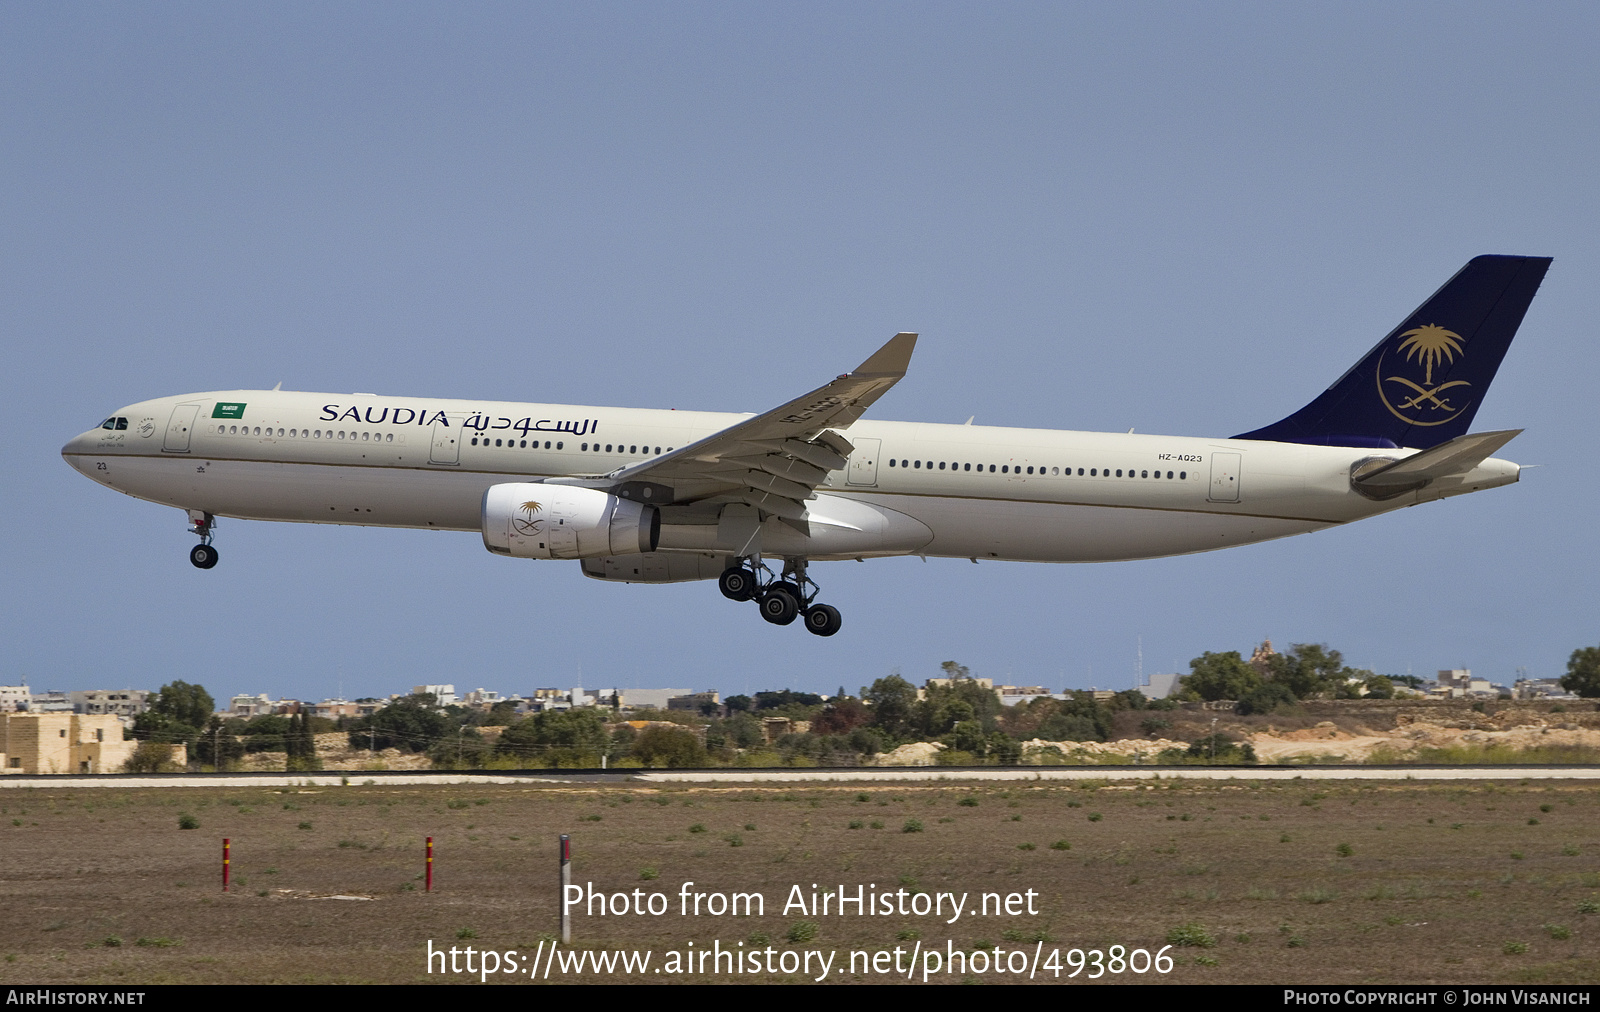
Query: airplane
[664, 496]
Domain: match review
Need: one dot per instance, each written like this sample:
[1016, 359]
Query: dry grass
[1297, 882]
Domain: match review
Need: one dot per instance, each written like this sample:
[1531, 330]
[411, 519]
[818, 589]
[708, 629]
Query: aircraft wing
[772, 461]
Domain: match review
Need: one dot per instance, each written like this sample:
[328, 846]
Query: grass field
[1300, 882]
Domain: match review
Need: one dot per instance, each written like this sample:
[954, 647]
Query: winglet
[890, 360]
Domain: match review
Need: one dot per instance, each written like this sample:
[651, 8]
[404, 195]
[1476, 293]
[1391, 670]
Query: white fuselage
[963, 491]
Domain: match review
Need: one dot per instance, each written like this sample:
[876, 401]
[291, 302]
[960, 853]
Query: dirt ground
[1299, 882]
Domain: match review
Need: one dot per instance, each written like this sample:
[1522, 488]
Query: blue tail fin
[1422, 384]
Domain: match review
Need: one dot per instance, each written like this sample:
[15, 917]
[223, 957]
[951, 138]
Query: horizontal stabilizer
[1384, 477]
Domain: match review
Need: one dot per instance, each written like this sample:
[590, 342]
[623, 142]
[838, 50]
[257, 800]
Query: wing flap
[775, 460]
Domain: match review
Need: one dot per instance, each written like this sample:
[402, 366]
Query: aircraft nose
[77, 446]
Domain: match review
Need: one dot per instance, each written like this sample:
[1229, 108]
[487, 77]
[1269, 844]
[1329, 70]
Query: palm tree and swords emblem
[1429, 346]
[526, 525]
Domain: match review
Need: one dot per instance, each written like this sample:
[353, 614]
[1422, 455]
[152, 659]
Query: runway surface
[885, 775]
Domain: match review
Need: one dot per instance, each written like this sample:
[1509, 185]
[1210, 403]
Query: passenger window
[1144, 474]
[633, 449]
[941, 465]
[892, 463]
[1119, 472]
[1183, 475]
[1005, 468]
[558, 445]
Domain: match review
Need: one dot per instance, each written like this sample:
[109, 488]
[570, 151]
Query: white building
[122, 702]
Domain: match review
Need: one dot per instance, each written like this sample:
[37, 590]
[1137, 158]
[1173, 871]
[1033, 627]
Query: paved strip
[361, 779]
[904, 774]
[1135, 773]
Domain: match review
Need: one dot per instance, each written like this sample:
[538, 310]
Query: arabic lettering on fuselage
[476, 420]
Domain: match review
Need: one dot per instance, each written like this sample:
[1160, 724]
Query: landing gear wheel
[823, 619]
[779, 607]
[737, 584]
[203, 556]
[792, 588]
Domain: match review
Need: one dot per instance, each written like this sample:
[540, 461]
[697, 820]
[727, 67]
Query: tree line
[959, 713]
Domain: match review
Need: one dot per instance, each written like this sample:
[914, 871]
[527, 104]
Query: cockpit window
[115, 424]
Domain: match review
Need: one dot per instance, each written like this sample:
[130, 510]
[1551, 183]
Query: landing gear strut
[203, 555]
[783, 599]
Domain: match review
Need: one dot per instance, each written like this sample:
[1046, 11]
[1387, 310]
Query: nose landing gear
[203, 555]
[781, 600]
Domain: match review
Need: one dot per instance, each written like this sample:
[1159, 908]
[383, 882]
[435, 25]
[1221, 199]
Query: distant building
[1261, 658]
[945, 683]
[333, 709]
[14, 698]
[251, 706]
[655, 699]
[1010, 695]
[693, 701]
[122, 702]
[32, 743]
[1540, 688]
[1458, 683]
[54, 701]
[481, 699]
[1162, 686]
[444, 695]
[773, 728]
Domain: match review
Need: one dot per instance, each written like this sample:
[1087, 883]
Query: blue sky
[1183, 219]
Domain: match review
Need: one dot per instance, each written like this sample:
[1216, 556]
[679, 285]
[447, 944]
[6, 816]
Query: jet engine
[530, 521]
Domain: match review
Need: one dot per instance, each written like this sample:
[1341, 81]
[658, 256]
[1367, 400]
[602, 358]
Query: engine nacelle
[530, 521]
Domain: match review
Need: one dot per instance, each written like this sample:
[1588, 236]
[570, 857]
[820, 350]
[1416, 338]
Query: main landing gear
[203, 555]
[781, 600]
